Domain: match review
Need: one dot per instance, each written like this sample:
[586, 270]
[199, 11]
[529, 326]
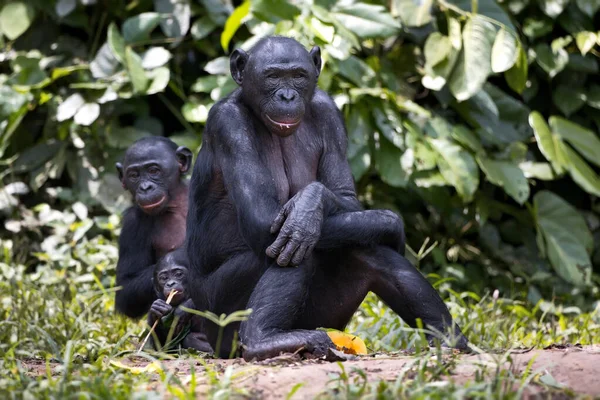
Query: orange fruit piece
[347, 343]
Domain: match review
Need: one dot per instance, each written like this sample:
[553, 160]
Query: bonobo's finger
[299, 255]
[287, 253]
[275, 248]
[279, 220]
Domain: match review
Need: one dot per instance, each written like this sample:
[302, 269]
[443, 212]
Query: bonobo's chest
[293, 160]
[169, 233]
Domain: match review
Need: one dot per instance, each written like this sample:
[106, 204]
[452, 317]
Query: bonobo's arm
[135, 267]
[248, 181]
[329, 207]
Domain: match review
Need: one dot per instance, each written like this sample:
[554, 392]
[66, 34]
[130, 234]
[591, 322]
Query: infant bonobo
[171, 274]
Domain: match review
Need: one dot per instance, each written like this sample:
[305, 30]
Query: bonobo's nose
[287, 95]
[146, 186]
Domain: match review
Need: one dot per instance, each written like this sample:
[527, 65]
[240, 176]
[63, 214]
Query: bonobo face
[151, 171]
[278, 80]
[172, 277]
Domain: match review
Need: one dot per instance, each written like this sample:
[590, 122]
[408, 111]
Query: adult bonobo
[171, 273]
[274, 188]
[152, 172]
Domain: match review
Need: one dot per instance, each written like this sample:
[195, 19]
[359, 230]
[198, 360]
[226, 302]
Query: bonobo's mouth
[177, 297]
[153, 206]
[283, 126]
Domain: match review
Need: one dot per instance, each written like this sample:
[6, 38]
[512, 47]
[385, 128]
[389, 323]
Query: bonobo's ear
[184, 157]
[237, 63]
[315, 54]
[120, 173]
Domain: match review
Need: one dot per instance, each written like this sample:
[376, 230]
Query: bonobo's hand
[299, 224]
[159, 309]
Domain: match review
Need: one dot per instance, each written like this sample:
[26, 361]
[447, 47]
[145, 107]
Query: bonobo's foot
[315, 343]
[197, 341]
[458, 342]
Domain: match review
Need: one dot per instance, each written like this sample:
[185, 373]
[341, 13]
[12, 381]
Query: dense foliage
[475, 120]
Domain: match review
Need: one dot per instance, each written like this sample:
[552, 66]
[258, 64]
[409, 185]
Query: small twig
[171, 295]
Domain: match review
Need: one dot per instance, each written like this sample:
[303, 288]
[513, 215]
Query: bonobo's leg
[406, 291]
[277, 302]
[197, 341]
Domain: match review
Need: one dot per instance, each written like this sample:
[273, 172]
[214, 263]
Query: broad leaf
[593, 96]
[457, 166]
[551, 62]
[568, 99]
[437, 48]
[585, 41]
[159, 79]
[580, 171]
[366, 20]
[139, 27]
[504, 51]
[474, 62]
[516, 77]
[177, 23]
[490, 9]
[203, 27]
[389, 165]
[136, 71]
[233, 23]
[69, 107]
[65, 7]
[553, 8]
[567, 238]
[274, 11]
[508, 176]
[413, 13]
[589, 7]
[155, 57]
[537, 27]
[105, 63]
[537, 170]
[193, 112]
[116, 42]
[15, 18]
[584, 140]
[545, 140]
[87, 114]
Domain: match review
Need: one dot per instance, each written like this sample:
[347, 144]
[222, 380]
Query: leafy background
[477, 121]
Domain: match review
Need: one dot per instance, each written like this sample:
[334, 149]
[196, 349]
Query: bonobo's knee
[396, 225]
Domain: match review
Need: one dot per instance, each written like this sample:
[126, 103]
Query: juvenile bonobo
[170, 274]
[152, 172]
[273, 186]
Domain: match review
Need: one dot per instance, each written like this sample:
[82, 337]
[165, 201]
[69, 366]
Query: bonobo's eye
[299, 75]
[154, 170]
[133, 176]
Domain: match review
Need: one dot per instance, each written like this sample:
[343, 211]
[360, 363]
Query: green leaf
[139, 27]
[568, 99]
[65, 7]
[474, 63]
[205, 84]
[177, 23]
[585, 41]
[193, 112]
[573, 20]
[105, 63]
[467, 138]
[508, 176]
[87, 114]
[116, 42]
[538, 170]
[413, 13]
[584, 140]
[15, 18]
[593, 96]
[567, 238]
[274, 11]
[203, 27]
[155, 57]
[490, 9]
[388, 164]
[159, 79]
[437, 48]
[580, 171]
[366, 20]
[457, 166]
[321, 30]
[504, 51]
[516, 77]
[546, 141]
[233, 23]
[553, 8]
[136, 71]
[69, 107]
[589, 7]
[537, 27]
[551, 62]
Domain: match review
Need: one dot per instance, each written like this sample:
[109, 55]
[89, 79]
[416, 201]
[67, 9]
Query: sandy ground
[573, 367]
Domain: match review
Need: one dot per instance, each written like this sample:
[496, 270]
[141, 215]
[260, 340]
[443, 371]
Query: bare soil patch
[573, 367]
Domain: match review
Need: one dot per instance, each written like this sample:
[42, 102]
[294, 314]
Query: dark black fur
[152, 172]
[273, 187]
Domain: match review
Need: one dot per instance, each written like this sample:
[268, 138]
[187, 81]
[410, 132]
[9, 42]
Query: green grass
[63, 318]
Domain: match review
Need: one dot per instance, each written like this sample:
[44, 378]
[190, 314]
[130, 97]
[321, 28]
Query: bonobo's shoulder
[227, 110]
[322, 102]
